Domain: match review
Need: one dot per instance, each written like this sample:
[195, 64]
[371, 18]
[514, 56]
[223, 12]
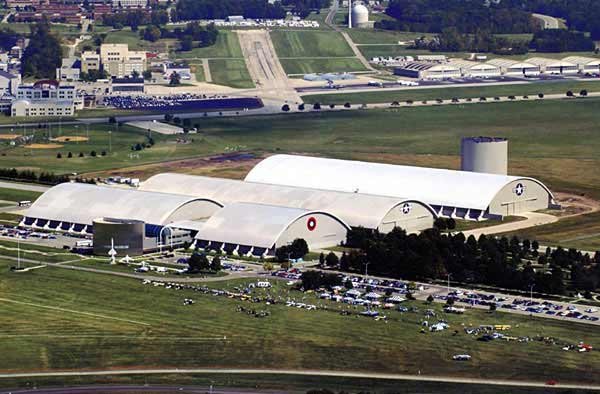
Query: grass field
[117, 146]
[113, 322]
[230, 72]
[299, 43]
[132, 38]
[305, 66]
[372, 36]
[578, 232]
[199, 72]
[227, 46]
[278, 383]
[18, 195]
[419, 94]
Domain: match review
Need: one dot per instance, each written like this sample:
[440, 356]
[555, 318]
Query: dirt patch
[575, 204]
[44, 146]
[223, 166]
[69, 138]
[8, 136]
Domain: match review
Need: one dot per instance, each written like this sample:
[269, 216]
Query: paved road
[23, 186]
[550, 22]
[321, 373]
[206, 68]
[533, 219]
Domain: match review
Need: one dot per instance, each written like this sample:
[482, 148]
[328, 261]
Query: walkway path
[533, 219]
[206, 68]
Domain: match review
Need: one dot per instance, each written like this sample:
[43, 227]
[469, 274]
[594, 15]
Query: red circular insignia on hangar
[311, 223]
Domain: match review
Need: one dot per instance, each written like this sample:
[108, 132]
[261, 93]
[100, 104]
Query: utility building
[554, 66]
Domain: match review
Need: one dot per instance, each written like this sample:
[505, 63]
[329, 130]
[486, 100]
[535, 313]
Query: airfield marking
[74, 311]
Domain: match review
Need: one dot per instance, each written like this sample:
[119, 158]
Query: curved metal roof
[82, 203]
[434, 186]
[256, 225]
[544, 61]
[355, 209]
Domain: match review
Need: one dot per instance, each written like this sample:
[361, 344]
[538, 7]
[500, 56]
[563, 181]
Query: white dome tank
[360, 16]
[484, 154]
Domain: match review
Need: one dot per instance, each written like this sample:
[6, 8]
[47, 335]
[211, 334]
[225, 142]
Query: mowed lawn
[227, 46]
[230, 72]
[305, 43]
[113, 322]
[306, 66]
[18, 195]
[582, 232]
[489, 91]
[372, 36]
[117, 144]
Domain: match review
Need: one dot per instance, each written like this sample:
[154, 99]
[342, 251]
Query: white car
[591, 310]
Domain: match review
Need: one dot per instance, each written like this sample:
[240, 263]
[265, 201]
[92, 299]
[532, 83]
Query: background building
[9, 83]
[47, 107]
[89, 61]
[118, 61]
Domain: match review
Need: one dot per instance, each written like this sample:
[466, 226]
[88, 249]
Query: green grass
[277, 383]
[18, 195]
[308, 43]
[199, 73]
[306, 66]
[581, 232]
[231, 72]
[419, 94]
[227, 46]
[372, 36]
[144, 326]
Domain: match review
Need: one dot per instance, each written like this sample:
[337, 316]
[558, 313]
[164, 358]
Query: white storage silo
[484, 154]
[359, 16]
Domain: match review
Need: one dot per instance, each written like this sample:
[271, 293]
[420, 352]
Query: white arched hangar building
[459, 194]
[373, 212]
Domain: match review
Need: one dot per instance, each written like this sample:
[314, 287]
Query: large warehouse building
[373, 212]
[451, 193]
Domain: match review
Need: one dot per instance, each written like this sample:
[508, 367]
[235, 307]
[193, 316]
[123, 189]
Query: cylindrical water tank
[484, 154]
[360, 16]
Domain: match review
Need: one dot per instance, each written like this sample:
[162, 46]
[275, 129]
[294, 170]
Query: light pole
[531, 293]
[449, 282]
[110, 141]
[18, 253]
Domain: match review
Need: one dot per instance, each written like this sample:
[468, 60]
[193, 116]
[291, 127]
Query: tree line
[220, 9]
[433, 16]
[502, 262]
[8, 38]
[31, 176]
[135, 18]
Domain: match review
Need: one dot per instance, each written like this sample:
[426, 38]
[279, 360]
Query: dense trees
[27, 175]
[580, 15]
[296, 250]
[452, 40]
[304, 7]
[559, 40]
[466, 16]
[8, 38]
[499, 262]
[191, 36]
[43, 55]
[220, 9]
[312, 280]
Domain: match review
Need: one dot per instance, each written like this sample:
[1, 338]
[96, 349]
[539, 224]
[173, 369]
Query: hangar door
[516, 207]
